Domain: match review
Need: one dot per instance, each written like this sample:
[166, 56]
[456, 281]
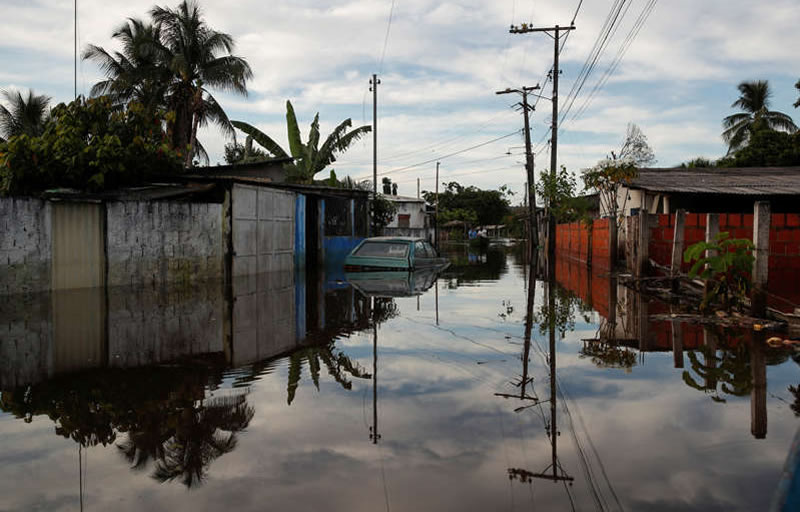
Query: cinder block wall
[163, 242]
[147, 243]
[25, 245]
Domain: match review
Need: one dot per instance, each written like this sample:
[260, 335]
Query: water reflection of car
[394, 283]
[384, 253]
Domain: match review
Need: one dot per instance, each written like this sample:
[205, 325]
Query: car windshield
[383, 250]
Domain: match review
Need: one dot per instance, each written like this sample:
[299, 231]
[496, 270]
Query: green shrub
[728, 267]
[88, 145]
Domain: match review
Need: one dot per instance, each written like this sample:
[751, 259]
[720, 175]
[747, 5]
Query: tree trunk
[192, 140]
[197, 103]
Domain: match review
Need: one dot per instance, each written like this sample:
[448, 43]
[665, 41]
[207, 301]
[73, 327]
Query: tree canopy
[486, 206]
[754, 101]
[23, 115]
[88, 145]
[172, 63]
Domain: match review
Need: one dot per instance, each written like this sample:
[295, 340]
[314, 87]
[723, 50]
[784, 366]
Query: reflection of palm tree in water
[163, 411]
[202, 435]
[337, 364]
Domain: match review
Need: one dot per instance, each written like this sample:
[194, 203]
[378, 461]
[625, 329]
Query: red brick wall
[784, 248]
[592, 289]
[572, 240]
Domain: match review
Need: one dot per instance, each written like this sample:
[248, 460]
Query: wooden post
[677, 248]
[712, 230]
[613, 237]
[761, 221]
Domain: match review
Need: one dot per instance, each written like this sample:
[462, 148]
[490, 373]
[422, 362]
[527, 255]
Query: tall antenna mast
[75, 63]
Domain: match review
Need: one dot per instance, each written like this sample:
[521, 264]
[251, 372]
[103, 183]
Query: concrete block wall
[151, 326]
[25, 245]
[26, 340]
[164, 242]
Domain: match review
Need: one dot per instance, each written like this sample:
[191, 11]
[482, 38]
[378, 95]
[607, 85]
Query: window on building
[337, 216]
[404, 220]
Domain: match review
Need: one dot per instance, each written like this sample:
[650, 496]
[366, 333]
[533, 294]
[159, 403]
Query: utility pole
[556, 34]
[373, 86]
[533, 239]
[417, 188]
[436, 226]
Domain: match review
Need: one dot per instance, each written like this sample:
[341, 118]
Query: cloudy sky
[439, 67]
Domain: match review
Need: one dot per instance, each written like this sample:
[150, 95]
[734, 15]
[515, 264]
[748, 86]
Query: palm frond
[261, 138]
[295, 142]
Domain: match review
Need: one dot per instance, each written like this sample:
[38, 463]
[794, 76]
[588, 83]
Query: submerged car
[394, 283]
[393, 253]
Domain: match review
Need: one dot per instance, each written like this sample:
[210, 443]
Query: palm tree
[135, 73]
[173, 63]
[309, 158]
[23, 116]
[754, 101]
[797, 86]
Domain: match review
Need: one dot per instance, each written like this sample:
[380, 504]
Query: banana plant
[308, 158]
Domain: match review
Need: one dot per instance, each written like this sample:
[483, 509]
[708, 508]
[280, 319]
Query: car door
[421, 257]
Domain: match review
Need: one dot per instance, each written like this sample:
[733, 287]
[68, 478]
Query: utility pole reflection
[558, 474]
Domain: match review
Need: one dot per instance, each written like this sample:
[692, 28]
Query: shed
[711, 189]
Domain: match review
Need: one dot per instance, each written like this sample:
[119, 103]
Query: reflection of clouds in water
[447, 440]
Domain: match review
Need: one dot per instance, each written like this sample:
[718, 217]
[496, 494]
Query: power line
[408, 167]
[386, 38]
[482, 171]
[609, 28]
[623, 49]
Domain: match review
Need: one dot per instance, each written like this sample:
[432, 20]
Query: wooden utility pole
[373, 434]
[556, 34]
[533, 239]
[436, 225]
[373, 86]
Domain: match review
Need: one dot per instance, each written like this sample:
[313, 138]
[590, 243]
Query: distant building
[412, 219]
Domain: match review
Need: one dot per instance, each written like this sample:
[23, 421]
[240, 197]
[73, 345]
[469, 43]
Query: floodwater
[309, 393]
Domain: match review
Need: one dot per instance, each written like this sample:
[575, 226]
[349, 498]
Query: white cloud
[443, 62]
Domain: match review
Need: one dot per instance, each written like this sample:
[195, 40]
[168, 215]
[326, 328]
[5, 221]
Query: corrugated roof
[753, 181]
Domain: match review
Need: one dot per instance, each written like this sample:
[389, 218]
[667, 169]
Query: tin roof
[752, 181]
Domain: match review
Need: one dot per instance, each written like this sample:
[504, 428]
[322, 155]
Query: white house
[411, 219]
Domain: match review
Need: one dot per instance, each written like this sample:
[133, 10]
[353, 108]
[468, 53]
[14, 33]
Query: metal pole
[75, 55]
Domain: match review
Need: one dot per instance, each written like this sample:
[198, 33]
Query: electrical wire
[623, 49]
[412, 166]
[386, 38]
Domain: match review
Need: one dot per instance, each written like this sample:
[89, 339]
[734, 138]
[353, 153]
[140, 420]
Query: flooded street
[329, 393]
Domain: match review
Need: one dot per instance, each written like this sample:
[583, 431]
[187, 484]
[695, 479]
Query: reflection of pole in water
[437, 301]
[558, 474]
[758, 395]
[373, 434]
